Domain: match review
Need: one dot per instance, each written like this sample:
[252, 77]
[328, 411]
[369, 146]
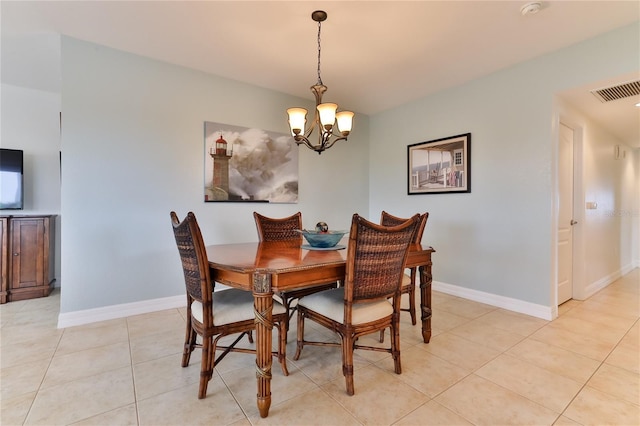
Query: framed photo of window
[440, 166]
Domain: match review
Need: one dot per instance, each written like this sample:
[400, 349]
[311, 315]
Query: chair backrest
[278, 229]
[195, 264]
[387, 219]
[375, 259]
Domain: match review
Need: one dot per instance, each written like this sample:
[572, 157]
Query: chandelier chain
[319, 49]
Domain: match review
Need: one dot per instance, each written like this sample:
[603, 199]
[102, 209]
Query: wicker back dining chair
[278, 229]
[369, 301]
[408, 281]
[213, 315]
[285, 229]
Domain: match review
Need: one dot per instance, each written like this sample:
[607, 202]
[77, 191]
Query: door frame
[578, 265]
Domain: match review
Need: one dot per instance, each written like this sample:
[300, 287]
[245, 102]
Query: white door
[565, 214]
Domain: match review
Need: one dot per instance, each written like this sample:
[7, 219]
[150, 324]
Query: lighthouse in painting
[221, 157]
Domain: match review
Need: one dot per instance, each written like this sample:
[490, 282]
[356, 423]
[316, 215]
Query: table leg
[263, 307]
[425, 301]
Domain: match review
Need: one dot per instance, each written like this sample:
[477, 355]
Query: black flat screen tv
[11, 179]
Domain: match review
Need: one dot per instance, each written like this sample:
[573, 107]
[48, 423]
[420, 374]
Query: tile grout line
[133, 376]
[46, 371]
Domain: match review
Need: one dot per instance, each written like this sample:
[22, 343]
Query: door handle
[573, 222]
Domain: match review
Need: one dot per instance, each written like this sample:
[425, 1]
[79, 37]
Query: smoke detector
[531, 8]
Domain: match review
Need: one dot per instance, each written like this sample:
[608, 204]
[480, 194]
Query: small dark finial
[319, 15]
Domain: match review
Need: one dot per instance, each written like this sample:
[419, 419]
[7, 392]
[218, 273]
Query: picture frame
[440, 166]
[243, 164]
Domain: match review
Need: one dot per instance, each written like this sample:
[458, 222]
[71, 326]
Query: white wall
[133, 151]
[609, 182]
[499, 239]
[31, 122]
[635, 212]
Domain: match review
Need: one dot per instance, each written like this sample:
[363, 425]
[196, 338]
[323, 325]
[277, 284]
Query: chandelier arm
[305, 141]
[324, 141]
[300, 139]
[311, 128]
[330, 144]
[310, 145]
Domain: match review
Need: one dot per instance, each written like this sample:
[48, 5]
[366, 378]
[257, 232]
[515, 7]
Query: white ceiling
[375, 54]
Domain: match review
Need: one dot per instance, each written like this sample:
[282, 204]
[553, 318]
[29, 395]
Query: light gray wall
[133, 146]
[132, 151]
[31, 122]
[499, 238]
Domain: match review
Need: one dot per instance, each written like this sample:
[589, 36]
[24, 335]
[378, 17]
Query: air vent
[620, 91]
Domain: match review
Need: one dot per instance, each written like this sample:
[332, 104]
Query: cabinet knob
[16, 254]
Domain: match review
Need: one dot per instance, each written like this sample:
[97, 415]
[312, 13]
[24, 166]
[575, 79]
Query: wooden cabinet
[4, 258]
[27, 257]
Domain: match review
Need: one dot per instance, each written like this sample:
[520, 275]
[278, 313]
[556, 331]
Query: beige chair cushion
[330, 303]
[406, 280]
[231, 305]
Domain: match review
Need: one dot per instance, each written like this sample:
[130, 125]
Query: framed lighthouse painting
[244, 164]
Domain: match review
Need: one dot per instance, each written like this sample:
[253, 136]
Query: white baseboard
[595, 287]
[515, 305]
[630, 267]
[70, 319]
[87, 316]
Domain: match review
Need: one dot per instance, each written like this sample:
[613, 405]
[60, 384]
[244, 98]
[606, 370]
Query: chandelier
[325, 113]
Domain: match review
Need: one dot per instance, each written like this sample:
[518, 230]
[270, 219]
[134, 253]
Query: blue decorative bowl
[322, 239]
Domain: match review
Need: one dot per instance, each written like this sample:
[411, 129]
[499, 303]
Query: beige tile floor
[483, 366]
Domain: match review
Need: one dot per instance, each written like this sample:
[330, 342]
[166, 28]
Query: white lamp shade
[327, 114]
[297, 119]
[345, 121]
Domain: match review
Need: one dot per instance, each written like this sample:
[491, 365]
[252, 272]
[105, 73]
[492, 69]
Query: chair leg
[286, 302]
[282, 346]
[300, 341]
[395, 343]
[412, 302]
[212, 356]
[206, 367]
[381, 336]
[250, 336]
[347, 362]
[189, 344]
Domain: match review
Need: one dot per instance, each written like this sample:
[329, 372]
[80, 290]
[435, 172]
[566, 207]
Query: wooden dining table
[268, 267]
